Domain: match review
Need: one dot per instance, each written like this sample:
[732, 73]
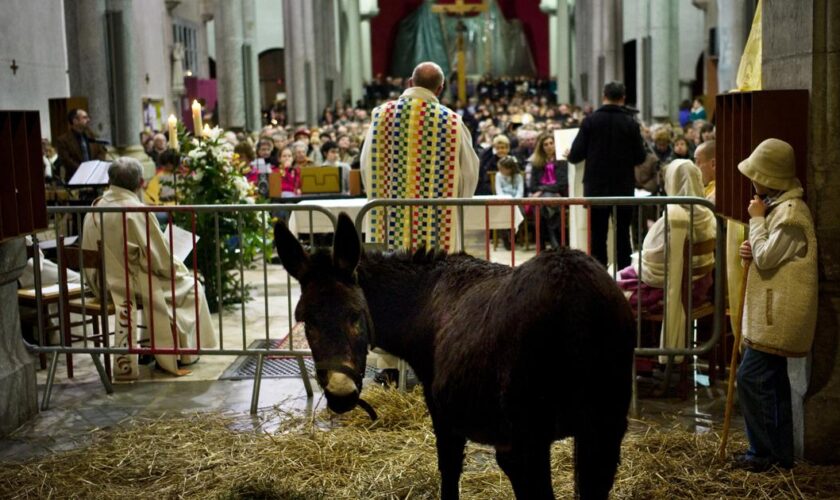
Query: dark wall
[383, 29]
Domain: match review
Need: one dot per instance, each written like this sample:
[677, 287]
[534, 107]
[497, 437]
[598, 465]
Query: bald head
[705, 150]
[704, 158]
[427, 75]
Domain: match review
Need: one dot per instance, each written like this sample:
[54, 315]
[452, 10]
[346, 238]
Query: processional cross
[460, 9]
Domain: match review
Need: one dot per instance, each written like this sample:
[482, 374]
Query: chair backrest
[492, 175]
[85, 259]
[317, 180]
[697, 249]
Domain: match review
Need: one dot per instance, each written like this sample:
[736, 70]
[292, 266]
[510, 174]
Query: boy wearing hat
[780, 303]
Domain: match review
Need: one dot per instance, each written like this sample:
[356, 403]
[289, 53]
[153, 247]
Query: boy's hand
[757, 207]
[745, 251]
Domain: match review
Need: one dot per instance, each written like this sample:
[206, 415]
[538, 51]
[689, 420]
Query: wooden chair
[680, 287]
[87, 304]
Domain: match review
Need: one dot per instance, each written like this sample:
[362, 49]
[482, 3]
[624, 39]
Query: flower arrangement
[210, 174]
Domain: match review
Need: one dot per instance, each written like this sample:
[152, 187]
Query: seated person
[549, 179]
[160, 190]
[149, 276]
[682, 178]
[488, 162]
[330, 152]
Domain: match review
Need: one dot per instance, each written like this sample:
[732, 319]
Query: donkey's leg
[597, 452]
[528, 466]
[450, 451]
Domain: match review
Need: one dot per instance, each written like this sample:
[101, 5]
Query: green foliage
[211, 174]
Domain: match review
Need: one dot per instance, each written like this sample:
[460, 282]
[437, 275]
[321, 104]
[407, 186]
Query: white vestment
[150, 269]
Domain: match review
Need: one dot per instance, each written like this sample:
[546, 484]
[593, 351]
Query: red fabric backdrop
[391, 12]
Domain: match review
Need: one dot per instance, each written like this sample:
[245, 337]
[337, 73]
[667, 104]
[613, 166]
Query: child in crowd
[509, 180]
[289, 174]
[682, 151]
[780, 303]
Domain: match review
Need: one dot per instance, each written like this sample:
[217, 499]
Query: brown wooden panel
[745, 119]
[20, 167]
[8, 197]
[36, 171]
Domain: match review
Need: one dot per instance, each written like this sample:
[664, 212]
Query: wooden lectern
[23, 208]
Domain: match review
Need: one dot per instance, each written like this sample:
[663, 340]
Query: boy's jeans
[764, 394]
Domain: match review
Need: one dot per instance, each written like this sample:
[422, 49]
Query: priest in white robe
[150, 268]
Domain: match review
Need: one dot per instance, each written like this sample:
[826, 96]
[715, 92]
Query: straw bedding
[233, 456]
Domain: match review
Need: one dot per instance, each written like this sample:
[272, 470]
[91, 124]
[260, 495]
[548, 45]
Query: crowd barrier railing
[574, 231]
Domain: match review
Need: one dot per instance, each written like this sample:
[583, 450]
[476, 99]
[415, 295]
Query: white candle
[173, 132]
[205, 132]
[196, 112]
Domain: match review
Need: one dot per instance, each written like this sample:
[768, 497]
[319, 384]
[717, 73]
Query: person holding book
[141, 271]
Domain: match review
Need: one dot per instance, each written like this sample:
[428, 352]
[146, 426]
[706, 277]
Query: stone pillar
[87, 61]
[559, 54]
[612, 35]
[250, 66]
[351, 49]
[368, 9]
[664, 65]
[229, 67]
[734, 20]
[329, 83]
[299, 52]
[584, 53]
[801, 49]
[18, 384]
[128, 116]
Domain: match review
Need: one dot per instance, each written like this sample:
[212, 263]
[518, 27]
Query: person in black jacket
[611, 143]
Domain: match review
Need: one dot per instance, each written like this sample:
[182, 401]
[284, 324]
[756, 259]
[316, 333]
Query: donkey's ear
[290, 251]
[347, 249]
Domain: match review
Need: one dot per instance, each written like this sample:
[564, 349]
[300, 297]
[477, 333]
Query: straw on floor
[232, 456]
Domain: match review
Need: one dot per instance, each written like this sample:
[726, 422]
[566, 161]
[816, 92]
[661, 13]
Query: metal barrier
[582, 205]
[74, 215]
[614, 203]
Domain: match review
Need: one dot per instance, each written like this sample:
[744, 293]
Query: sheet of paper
[90, 173]
[182, 241]
[563, 140]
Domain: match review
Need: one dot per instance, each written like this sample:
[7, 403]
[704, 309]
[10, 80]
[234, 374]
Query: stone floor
[80, 405]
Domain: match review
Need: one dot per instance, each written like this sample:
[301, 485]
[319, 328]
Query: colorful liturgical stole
[413, 155]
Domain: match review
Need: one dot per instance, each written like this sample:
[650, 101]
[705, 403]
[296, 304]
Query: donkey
[515, 358]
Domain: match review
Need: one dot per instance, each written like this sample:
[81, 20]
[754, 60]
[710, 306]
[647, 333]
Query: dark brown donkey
[511, 357]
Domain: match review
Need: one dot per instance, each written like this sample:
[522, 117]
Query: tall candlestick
[173, 132]
[196, 112]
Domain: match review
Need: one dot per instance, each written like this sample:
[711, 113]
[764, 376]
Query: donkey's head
[333, 309]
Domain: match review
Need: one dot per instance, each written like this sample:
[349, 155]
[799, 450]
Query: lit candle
[173, 132]
[205, 132]
[196, 112]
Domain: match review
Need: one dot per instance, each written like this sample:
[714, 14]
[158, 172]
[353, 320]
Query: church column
[299, 54]
[800, 51]
[250, 66]
[127, 110]
[87, 61]
[734, 19]
[611, 34]
[351, 49]
[329, 83]
[368, 9]
[559, 56]
[18, 390]
[229, 67]
[664, 70]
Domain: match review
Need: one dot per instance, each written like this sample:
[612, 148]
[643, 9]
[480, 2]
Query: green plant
[211, 174]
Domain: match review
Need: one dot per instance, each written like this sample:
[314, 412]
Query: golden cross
[460, 8]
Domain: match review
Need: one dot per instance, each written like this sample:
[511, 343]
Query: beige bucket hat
[772, 164]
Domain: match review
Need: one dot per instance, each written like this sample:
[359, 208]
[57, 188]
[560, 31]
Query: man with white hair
[133, 243]
[416, 147]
